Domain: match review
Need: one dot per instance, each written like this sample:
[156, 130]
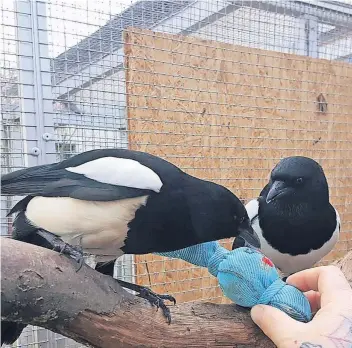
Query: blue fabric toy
[246, 277]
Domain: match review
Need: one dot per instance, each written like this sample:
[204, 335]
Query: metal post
[311, 31]
[36, 111]
[35, 82]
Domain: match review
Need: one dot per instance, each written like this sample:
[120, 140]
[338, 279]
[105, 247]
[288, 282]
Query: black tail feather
[27, 181]
[11, 331]
[106, 268]
[20, 205]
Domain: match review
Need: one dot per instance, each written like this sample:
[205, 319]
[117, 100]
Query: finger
[314, 300]
[274, 323]
[328, 280]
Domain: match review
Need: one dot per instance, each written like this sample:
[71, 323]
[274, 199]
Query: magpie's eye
[299, 181]
[238, 219]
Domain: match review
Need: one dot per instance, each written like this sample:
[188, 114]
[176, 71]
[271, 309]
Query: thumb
[275, 324]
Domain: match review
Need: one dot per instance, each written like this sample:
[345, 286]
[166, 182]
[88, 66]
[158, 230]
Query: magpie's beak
[277, 189]
[248, 236]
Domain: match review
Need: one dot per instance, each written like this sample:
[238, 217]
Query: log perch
[41, 287]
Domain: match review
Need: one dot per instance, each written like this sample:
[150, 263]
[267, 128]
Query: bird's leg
[152, 297]
[58, 244]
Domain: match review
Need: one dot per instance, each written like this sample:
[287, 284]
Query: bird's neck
[211, 219]
[294, 209]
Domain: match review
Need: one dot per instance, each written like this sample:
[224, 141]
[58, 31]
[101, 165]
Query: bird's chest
[296, 243]
[289, 264]
[296, 235]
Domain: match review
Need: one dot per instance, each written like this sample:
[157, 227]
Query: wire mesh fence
[224, 89]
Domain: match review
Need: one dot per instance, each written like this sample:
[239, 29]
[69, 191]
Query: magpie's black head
[231, 217]
[297, 179]
[216, 213]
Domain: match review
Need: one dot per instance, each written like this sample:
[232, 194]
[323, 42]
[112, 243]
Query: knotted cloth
[247, 277]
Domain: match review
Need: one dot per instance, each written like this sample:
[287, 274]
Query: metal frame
[112, 63]
[334, 14]
[311, 31]
[35, 77]
[35, 82]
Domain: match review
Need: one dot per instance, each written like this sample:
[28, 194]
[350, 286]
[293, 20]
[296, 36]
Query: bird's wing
[252, 208]
[338, 222]
[100, 179]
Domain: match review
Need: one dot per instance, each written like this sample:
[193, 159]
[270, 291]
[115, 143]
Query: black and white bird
[293, 217]
[112, 202]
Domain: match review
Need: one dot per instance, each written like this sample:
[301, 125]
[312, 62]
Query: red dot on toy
[267, 261]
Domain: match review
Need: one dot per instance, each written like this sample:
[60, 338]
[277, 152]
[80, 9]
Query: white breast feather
[119, 171]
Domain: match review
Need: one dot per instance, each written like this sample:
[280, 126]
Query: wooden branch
[41, 287]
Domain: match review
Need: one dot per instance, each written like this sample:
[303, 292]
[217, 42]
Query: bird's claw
[74, 252]
[158, 301]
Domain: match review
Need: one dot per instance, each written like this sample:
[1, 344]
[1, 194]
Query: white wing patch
[252, 208]
[119, 171]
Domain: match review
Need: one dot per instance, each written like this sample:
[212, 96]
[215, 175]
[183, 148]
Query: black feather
[10, 331]
[106, 268]
[48, 181]
[20, 205]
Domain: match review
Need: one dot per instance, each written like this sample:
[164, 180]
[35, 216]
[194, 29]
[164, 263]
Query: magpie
[296, 224]
[110, 202]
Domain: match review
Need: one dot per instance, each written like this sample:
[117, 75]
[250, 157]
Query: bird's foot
[74, 252]
[155, 299]
[158, 301]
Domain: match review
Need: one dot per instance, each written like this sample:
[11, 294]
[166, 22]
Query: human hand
[330, 297]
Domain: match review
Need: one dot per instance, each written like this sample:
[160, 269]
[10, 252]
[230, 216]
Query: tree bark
[41, 287]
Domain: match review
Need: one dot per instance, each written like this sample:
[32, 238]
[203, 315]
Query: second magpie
[293, 217]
